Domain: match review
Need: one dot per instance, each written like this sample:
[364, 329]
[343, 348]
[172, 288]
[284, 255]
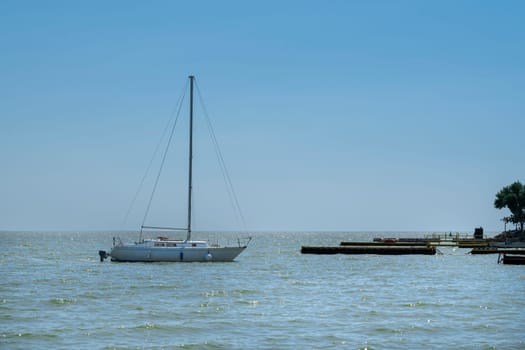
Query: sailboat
[164, 249]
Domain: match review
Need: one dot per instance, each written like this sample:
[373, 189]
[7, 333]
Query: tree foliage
[513, 198]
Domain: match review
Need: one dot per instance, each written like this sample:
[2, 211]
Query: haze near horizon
[359, 116]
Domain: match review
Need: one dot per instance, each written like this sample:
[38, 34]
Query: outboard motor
[103, 255]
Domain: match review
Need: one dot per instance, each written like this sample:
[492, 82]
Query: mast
[190, 161]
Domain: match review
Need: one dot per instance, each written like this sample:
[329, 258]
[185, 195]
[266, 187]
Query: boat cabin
[166, 243]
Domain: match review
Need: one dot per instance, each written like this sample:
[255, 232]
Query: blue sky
[336, 115]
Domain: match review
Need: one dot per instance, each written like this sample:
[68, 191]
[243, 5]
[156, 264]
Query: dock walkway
[370, 248]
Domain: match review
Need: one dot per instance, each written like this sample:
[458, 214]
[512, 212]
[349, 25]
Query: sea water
[56, 294]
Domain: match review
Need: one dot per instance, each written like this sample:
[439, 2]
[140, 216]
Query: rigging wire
[148, 168]
[176, 111]
[174, 117]
[234, 202]
[163, 158]
[154, 155]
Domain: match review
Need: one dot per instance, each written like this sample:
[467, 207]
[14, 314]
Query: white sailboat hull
[165, 249]
[141, 253]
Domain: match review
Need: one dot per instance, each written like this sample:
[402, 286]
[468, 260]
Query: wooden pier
[418, 245]
[512, 258]
[472, 243]
[370, 248]
[438, 241]
[496, 250]
[446, 239]
[378, 244]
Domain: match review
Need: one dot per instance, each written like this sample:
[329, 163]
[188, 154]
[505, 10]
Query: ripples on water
[55, 294]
